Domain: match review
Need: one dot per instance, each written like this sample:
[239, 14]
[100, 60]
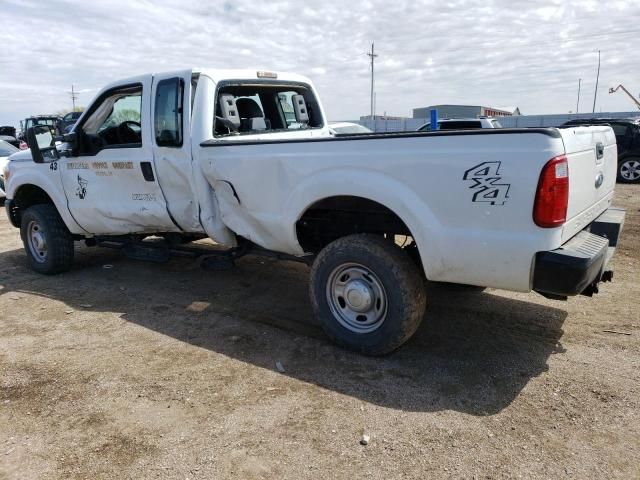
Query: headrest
[248, 108]
[229, 109]
[300, 108]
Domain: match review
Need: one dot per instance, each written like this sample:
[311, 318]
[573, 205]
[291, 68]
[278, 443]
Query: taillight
[552, 196]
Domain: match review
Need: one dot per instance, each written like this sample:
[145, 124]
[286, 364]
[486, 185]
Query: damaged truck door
[109, 177]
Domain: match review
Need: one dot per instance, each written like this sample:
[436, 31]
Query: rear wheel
[47, 241]
[367, 293]
[629, 170]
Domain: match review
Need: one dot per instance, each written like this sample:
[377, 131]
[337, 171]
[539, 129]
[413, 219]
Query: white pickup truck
[247, 159]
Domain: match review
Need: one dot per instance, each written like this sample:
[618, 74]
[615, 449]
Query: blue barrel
[434, 119]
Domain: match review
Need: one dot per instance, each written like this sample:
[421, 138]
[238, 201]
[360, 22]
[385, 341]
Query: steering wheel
[126, 134]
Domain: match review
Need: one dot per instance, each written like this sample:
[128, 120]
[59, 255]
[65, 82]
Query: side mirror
[42, 144]
[70, 137]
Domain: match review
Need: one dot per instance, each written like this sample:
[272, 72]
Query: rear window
[262, 107]
[619, 129]
[168, 112]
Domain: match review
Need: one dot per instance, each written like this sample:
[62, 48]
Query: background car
[344, 128]
[627, 131]
[6, 149]
[69, 120]
[8, 134]
[53, 121]
[463, 124]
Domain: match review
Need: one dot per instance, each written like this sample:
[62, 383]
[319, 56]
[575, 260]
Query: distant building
[468, 111]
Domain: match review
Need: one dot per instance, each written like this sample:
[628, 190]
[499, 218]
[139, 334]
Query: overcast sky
[492, 52]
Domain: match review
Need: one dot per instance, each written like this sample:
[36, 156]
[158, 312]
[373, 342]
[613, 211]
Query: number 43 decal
[53, 166]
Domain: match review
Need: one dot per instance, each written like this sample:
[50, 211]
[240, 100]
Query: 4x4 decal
[486, 183]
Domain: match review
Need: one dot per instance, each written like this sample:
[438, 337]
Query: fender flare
[19, 180]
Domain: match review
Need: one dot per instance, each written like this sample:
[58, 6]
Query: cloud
[493, 52]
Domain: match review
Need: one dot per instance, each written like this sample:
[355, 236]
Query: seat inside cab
[249, 109]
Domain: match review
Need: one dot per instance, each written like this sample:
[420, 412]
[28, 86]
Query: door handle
[599, 150]
[147, 171]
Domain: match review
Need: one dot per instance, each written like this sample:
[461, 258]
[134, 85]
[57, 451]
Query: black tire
[44, 222]
[630, 167]
[388, 271]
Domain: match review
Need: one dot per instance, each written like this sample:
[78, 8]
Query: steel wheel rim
[630, 170]
[357, 298]
[37, 242]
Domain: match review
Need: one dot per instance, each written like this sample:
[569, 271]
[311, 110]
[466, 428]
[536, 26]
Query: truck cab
[127, 165]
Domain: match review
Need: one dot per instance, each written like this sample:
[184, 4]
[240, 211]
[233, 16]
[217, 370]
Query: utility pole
[595, 94]
[74, 97]
[372, 56]
[578, 102]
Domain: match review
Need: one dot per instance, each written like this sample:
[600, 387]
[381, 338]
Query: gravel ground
[168, 371]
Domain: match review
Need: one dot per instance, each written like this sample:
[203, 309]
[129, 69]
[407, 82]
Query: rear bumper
[580, 264]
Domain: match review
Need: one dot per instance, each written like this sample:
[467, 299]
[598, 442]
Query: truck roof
[217, 75]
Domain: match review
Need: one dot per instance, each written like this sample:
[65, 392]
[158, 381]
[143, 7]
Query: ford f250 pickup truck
[247, 159]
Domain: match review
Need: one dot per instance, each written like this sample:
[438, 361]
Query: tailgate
[592, 157]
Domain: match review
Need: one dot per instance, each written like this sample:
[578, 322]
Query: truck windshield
[265, 108]
[50, 122]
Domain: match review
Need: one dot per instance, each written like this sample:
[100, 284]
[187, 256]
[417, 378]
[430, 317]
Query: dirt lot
[169, 371]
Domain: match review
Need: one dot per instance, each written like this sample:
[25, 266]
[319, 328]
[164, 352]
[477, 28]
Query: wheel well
[336, 217]
[25, 197]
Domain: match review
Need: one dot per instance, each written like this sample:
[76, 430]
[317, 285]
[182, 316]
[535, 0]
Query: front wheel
[46, 239]
[367, 293]
[629, 170]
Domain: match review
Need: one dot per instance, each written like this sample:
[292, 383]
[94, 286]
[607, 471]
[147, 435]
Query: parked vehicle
[347, 128]
[69, 120]
[6, 149]
[8, 134]
[54, 122]
[627, 131]
[212, 153]
[463, 124]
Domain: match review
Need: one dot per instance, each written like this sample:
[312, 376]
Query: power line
[373, 57]
[595, 93]
[74, 97]
[578, 102]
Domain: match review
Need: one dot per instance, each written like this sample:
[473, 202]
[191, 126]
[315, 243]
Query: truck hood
[21, 156]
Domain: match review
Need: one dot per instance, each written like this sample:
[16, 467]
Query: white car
[213, 153]
[463, 124]
[6, 149]
[347, 128]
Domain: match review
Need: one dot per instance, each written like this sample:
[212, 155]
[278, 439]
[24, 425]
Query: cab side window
[168, 113]
[115, 122]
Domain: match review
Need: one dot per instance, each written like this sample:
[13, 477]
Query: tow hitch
[606, 276]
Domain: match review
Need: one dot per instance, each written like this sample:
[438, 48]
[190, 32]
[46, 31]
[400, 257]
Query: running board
[158, 250]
